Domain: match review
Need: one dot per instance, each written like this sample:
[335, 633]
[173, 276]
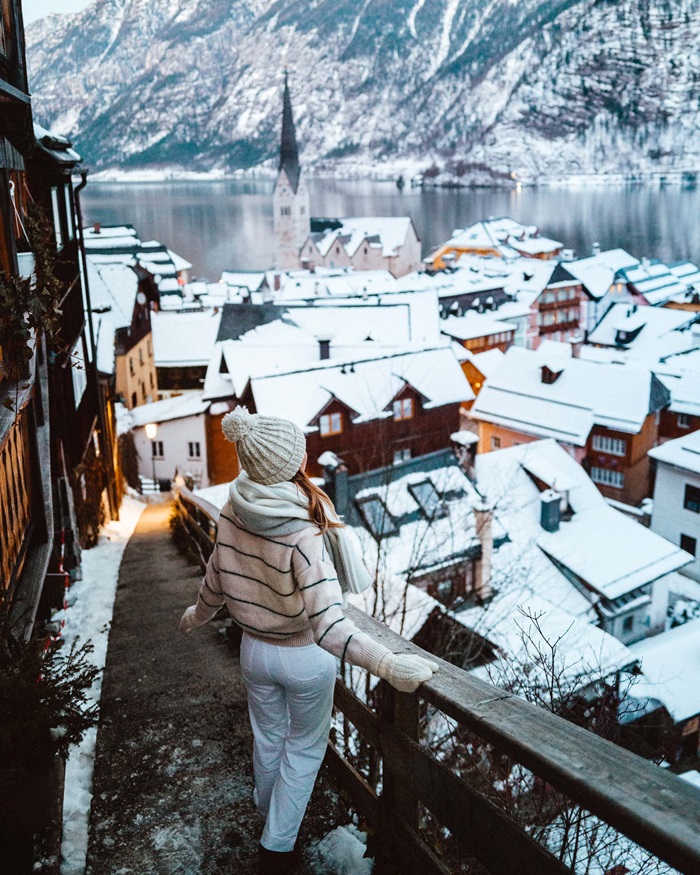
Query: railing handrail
[652, 807]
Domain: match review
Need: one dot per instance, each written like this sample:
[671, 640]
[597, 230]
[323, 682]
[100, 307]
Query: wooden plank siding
[15, 496]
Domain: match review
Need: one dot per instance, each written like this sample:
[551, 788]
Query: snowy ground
[89, 616]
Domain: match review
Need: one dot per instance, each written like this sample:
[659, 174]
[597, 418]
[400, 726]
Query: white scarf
[282, 509]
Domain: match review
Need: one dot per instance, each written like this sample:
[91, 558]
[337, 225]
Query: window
[427, 497]
[140, 356]
[150, 376]
[56, 209]
[286, 211]
[402, 455]
[691, 500]
[614, 446]
[563, 294]
[683, 420]
[157, 449]
[689, 544]
[131, 366]
[143, 390]
[376, 517]
[403, 409]
[495, 443]
[330, 423]
[193, 450]
[134, 399]
[301, 211]
[70, 226]
[150, 351]
[78, 373]
[607, 477]
[628, 623]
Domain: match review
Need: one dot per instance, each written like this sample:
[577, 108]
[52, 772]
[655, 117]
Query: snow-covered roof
[524, 626]
[485, 362]
[646, 327]
[584, 394]
[473, 325]
[589, 545]
[365, 386]
[682, 452]
[177, 407]
[494, 233]
[685, 392]
[688, 272]
[597, 272]
[671, 669]
[250, 280]
[535, 245]
[390, 233]
[108, 237]
[179, 262]
[332, 282]
[184, 338]
[279, 338]
[654, 281]
[113, 288]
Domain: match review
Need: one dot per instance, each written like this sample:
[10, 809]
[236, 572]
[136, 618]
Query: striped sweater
[284, 590]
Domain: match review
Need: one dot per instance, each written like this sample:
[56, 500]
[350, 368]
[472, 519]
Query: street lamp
[151, 433]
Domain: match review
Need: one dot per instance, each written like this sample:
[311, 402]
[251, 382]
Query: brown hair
[320, 504]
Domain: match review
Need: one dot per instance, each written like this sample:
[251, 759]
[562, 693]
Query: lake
[228, 224]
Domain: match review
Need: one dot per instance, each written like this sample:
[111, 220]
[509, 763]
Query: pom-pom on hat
[270, 449]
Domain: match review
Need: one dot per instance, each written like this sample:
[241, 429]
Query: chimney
[335, 473]
[324, 348]
[595, 249]
[97, 228]
[483, 516]
[576, 342]
[276, 282]
[550, 510]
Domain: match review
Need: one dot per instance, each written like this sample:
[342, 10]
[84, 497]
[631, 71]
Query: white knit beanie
[270, 449]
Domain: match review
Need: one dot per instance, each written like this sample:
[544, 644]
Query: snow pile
[88, 615]
[341, 852]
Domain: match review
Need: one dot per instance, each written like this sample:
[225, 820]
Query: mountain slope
[528, 87]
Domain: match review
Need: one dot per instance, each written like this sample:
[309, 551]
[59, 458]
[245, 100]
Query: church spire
[289, 153]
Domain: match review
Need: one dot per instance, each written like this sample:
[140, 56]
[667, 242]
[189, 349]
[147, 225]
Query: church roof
[289, 153]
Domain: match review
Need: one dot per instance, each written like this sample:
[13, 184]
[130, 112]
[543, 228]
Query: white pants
[290, 699]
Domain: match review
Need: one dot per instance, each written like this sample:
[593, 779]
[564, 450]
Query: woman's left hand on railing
[404, 671]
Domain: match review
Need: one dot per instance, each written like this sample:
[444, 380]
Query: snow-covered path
[167, 788]
[89, 616]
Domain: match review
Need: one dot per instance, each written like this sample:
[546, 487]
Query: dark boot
[278, 862]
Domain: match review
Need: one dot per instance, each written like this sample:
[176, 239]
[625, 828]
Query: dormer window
[550, 375]
[403, 409]
[376, 517]
[427, 498]
[330, 423]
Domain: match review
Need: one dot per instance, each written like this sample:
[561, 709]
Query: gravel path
[173, 772]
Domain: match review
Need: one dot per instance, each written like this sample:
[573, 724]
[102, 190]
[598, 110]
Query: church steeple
[291, 196]
[289, 153]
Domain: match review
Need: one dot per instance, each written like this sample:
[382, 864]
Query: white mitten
[189, 620]
[405, 671]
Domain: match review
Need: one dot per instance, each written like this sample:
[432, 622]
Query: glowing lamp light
[151, 431]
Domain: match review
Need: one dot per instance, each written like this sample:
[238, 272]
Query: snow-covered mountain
[484, 88]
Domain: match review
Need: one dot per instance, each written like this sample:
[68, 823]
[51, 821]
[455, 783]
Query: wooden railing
[653, 808]
[15, 485]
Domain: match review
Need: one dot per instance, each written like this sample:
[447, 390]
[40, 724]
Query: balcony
[439, 813]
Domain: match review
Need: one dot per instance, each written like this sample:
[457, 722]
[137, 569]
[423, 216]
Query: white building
[676, 513]
[180, 443]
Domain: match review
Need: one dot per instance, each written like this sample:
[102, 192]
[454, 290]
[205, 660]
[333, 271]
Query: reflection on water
[225, 225]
